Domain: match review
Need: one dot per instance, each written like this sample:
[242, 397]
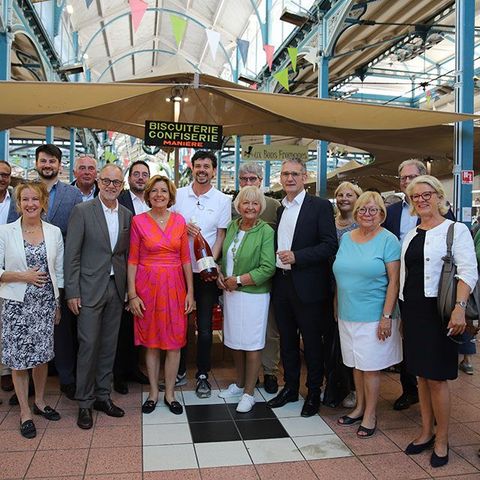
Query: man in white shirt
[85, 172]
[208, 210]
[302, 295]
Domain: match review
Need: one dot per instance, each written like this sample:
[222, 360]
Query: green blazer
[255, 255]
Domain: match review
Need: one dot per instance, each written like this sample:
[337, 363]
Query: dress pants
[271, 352]
[294, 318]
[97, 343]
[65, 345]
[127, 356]
[206, 296]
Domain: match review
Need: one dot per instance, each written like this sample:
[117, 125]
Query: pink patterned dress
[160, 283]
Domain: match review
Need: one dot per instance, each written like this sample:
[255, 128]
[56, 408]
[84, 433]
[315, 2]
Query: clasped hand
[227, 283]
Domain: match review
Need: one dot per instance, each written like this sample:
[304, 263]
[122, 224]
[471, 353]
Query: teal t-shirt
[361, 276]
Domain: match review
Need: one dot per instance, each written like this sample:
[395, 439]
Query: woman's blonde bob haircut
[39, 188]
[366, 197]
[172, 191]
[348, 186]
[250, 193]
[436, 185]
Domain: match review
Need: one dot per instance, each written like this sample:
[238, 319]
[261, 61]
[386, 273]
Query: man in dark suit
[85, 172]
[399, 221]
[96, 252]
[302, 296]
[127, 357]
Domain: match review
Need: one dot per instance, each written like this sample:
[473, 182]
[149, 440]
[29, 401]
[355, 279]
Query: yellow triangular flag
[179, 25]
[292, 53]
[282, 78]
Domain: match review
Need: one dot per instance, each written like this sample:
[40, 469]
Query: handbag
[447, 290]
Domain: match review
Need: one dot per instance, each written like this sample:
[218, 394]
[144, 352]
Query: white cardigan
[435, 248]
[12, 258]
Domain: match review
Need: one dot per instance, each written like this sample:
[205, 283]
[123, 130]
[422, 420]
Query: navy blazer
[394, 215]
[314, 244]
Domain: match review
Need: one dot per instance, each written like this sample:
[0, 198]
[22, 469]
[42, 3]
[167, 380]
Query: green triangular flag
[282, 78]
[179, 25]
[293, 52]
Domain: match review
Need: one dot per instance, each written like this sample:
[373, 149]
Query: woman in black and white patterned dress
[31, 273]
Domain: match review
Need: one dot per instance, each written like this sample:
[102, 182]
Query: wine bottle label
[205, 263]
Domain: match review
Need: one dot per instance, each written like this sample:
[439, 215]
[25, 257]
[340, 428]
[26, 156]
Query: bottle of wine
[203, 256]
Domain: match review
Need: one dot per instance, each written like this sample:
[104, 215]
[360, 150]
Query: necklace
[24, 230]
[162, 220]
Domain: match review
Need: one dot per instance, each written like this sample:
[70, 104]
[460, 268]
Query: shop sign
[274, 152]
[183, 135]
[467, 177]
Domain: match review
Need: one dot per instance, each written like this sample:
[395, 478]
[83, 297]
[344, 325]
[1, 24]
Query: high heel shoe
[415, 449]
[437, 461]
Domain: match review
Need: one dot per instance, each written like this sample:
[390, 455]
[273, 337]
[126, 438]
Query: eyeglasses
[404, 178]
[5, 175]
[371, 211]
[424, 196]
[107, 181]
[294, 175]
[140, 174]
[248, 179]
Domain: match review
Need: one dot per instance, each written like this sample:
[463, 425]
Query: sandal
[346, 420]
[148, 406]
[367, 432]
[27, 429]
[48, 412]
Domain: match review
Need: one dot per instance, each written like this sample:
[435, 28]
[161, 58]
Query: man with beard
[208, 210]
[85, 172]
[127, 357]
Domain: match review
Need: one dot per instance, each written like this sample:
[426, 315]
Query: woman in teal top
[248, 264]
[367, 276]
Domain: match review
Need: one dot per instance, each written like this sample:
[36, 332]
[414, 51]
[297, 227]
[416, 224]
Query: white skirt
[362, 349]
[245, 320]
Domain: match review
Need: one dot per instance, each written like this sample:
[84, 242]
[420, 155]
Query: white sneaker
[350, 400]
[231, 391]
[246, 403]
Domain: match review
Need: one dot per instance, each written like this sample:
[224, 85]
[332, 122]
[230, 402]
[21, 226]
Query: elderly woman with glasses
[366, 272]
[430, 353]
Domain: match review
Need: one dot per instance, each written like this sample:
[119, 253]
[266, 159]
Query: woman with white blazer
[430, 352]
[31, 274]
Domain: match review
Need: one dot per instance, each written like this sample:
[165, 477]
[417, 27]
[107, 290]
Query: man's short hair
[4, 162]
[50, 149]
[296, 160]
[138, 162]
[205, 154]
[422, 169]
[111, 165]
[251, 167]
[83, 155]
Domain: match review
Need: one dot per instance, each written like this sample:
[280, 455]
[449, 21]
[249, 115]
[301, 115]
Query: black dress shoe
[175, 407]
[85, 419]
[415, 449]
[311, 405]
[7, 383]
[108, 407]
[139, 377]
[48, 412]
[27, 429]
[436, 461]
[270, 383]
[148, 406]
[120, 386]
[285, 396]
[405, 400]
[68, 389]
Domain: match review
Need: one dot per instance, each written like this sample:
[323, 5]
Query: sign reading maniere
[173, 134]
[274, 152]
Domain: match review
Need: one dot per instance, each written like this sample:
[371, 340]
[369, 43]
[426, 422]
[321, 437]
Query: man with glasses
[127, 357]
[302, 294]
[208, 210]
[251, 173]
[399, 221]
[96, 252]
[85, 172]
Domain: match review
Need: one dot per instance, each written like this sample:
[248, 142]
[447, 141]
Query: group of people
[290, 274]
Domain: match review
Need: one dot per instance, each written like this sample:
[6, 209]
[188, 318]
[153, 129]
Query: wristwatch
[239, 282]
[462, 304]
[387, 316]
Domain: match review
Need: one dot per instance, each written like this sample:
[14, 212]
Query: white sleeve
[226, 213]
[464, 254]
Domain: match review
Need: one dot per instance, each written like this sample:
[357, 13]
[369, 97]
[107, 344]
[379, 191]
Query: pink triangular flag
[254, 86]
[137, 9]
[213, 38]
[269, 49]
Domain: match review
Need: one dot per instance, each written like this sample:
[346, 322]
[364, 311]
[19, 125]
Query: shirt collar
[108, 210]
[135, 198]
[206, 194]
[297, 200]
[54, 186]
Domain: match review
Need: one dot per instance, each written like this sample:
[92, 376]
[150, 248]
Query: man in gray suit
[96, 252]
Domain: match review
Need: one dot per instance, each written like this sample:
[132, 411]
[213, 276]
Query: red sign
[467, 177]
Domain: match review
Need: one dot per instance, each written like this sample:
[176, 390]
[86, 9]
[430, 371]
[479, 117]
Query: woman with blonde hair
[430, 352]
[346, 194]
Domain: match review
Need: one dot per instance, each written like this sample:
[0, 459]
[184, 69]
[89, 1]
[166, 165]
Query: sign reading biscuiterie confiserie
[274, 152]
[179, 135]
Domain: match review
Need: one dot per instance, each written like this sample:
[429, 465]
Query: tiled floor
[211, 441]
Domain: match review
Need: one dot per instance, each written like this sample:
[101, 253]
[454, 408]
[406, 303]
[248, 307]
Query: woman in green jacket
[248, 264]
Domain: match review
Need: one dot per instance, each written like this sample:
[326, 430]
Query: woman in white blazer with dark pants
[31, 274]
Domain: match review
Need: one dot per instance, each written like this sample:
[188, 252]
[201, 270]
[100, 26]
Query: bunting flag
[312, 57]
[269, 49]
[282, 78]
[88, 3]
[132, 141]
[254, 86]
[213, 38]
[292, 53]
[242, 46]
[428, 97]
[179, 24]
[109, 134]
[137, 10]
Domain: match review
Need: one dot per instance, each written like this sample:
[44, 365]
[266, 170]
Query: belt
[284, 271]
